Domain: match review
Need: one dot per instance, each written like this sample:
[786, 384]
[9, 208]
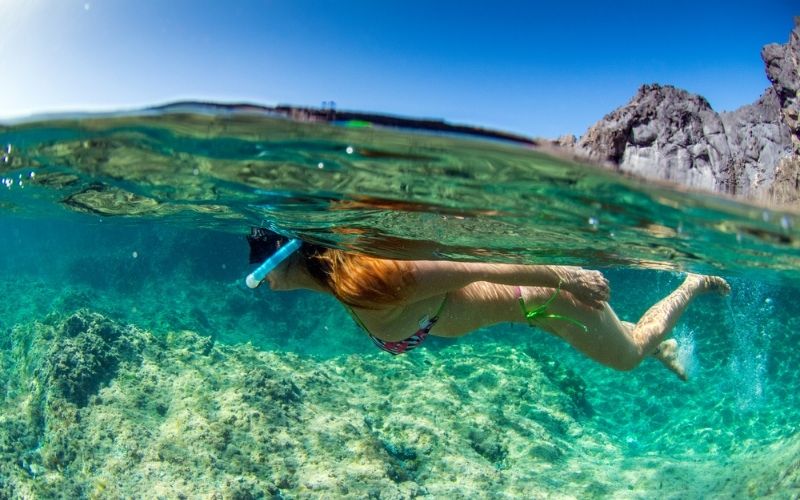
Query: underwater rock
[179, 416]
[272, 394]
[488, 445]
[669, 134]
[60, 368]
[567, 380]
[79, 366]
[192, 342]
[83, 354]
[547, 451]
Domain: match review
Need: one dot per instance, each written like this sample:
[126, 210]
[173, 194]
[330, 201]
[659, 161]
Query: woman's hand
[589, 287]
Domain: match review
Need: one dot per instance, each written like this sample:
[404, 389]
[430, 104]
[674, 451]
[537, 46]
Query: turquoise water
[141, 218]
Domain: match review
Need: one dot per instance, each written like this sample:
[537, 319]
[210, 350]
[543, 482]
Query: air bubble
[320, 165]
[594, 222]
[349, 150]
[135, 254]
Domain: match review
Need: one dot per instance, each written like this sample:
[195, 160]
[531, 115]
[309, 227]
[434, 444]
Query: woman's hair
[355, 279]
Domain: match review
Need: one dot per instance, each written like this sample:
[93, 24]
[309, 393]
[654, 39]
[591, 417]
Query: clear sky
[541, 70]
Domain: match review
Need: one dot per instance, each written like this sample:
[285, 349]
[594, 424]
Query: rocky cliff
[670, 134]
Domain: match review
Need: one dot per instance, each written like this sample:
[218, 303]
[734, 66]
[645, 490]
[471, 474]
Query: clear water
[141, 218]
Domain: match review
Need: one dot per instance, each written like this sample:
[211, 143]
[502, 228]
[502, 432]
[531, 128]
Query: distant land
[664, 133]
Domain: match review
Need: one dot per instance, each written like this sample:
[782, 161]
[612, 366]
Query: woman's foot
[702, 284]
[716, 284]
[667, 353]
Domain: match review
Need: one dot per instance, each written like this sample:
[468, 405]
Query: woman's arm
[436, 277]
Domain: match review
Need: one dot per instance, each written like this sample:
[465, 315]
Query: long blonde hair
[358, 280]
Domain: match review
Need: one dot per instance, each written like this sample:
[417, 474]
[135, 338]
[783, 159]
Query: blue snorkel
[256, 277]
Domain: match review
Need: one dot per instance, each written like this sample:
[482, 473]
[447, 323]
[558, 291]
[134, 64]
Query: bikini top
[409, 343]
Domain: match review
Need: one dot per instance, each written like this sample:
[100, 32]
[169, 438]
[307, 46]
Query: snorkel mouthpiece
[283, 253]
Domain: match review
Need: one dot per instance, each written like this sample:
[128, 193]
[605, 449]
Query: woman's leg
[667, 353]
[609, 341]
[623, 345]
[660, 319]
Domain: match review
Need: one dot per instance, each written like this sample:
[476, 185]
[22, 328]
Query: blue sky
[541, 70]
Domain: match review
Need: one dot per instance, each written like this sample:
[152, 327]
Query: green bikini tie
[541, 311]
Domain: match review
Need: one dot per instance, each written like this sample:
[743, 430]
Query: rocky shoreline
[666, 133]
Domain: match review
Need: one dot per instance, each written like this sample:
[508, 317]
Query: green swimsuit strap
[540, 312]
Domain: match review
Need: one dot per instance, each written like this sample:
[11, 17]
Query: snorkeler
[400, 303]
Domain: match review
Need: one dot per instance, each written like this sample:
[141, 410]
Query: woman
[400, 303]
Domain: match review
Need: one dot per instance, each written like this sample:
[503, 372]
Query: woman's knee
[626, 361]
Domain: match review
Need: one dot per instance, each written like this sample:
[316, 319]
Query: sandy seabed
[97, 409]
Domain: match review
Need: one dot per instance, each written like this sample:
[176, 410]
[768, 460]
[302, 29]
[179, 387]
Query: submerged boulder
[85, 353]
[81, 357]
